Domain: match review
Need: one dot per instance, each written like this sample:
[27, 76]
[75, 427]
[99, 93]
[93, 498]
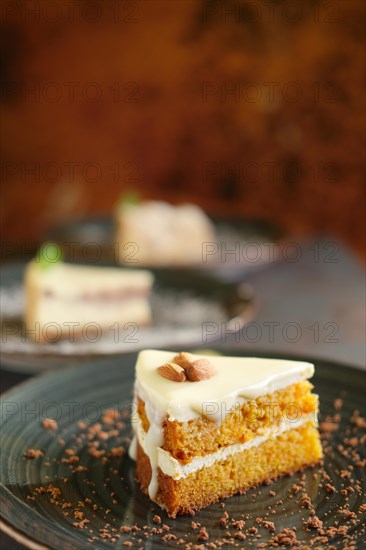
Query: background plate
[255, 243]
[183, 302]
[83, 392]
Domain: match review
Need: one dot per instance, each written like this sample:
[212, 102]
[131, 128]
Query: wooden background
[248, 108]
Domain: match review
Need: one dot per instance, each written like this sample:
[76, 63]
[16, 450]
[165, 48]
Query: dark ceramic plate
[240, 245]
[104, 490]
[188, 308]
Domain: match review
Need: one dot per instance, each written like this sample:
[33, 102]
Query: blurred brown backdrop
[248, 108]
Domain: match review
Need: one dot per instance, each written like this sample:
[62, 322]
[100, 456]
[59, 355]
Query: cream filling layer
[171, 467]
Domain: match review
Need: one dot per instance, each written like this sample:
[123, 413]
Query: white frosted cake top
[236, 380]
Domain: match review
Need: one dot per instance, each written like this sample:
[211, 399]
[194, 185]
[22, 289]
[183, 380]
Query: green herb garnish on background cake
[129, 198]
[48, 255]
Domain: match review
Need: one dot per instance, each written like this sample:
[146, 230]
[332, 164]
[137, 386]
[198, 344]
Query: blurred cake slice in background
[156, 233]
[68, 300]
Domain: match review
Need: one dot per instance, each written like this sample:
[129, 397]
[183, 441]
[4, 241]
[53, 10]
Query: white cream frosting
[236, 380]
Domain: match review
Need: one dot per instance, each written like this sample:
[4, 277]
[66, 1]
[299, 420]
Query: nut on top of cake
[211, 426]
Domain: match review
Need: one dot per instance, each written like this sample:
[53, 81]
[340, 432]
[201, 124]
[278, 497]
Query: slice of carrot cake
[208, 427]
[65, 300]
[161, 233]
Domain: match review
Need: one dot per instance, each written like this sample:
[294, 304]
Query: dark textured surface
[107, 384]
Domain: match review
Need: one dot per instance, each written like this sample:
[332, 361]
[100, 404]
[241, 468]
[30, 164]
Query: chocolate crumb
[203, 534]
[49, 424]
[33, 453]
[314, 523]
[338, 404]
[287, 537]
[168, 537]
[223, 519]
[117, 451]
[157, 519]
[269, 525]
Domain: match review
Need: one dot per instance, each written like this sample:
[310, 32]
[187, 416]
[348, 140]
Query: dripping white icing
[132, 450]
[153, 441]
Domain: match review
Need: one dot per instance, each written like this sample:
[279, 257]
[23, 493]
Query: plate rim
[19, 537]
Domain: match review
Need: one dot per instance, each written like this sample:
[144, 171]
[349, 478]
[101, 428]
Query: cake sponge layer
[188, 440]
[285, 454]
